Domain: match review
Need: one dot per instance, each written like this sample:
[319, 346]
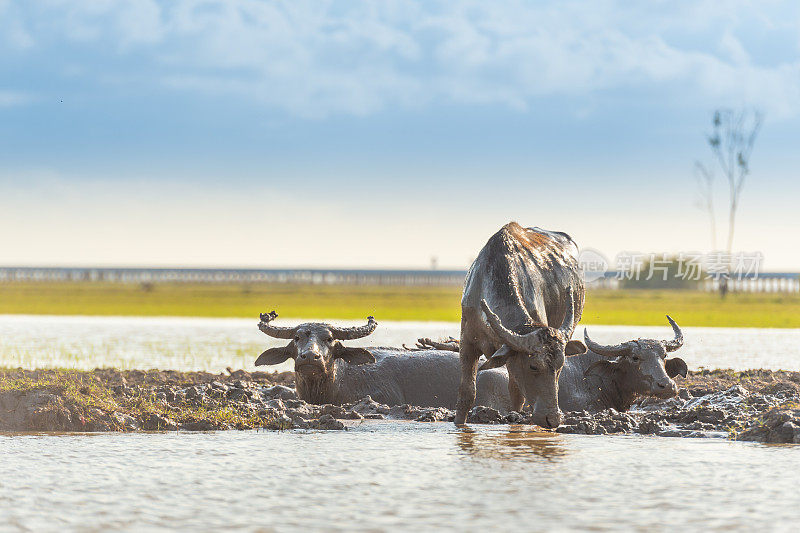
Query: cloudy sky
[380, 134]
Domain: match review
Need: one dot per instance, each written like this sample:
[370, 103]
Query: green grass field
[631, 307]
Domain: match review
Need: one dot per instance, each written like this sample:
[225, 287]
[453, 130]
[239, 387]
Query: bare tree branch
[705, 181]
[732, 143]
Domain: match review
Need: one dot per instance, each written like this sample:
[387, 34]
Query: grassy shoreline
[624, 307]
[113, 400]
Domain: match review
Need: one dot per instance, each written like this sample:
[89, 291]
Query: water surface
[214, 344]
[394, 475]
[377, 475]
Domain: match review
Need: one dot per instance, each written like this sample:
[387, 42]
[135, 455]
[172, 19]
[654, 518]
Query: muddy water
[394, 475]
[213, 344]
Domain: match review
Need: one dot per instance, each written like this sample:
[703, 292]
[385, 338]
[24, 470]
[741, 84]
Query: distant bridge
[764, 282]
[233, 275]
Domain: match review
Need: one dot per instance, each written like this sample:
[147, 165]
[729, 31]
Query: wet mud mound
[137, 400]
[758, 405]
[734, 413]
[755, 405]
[113, 400]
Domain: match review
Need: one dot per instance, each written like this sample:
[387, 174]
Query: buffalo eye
[534, 368]
[296, 338]
[635, 358]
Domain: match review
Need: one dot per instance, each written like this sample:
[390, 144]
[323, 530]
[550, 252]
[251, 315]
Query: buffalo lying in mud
[328, 372]
[522, 298]
[604, 377]
[615, 376]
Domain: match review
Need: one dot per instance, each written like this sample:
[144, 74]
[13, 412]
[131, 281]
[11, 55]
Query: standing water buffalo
[522, 298]
[328, 372]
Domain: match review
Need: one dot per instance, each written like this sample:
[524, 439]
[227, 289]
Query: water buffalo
[522, 298]
[328, 372]
[615, 376]
[603, 377]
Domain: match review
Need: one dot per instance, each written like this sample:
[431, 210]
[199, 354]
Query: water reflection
[515, 442]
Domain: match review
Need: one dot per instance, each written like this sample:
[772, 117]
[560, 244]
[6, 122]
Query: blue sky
[250, 133]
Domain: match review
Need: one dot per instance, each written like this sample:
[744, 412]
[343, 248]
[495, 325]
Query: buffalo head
[642, 365]
[314, 346]
[534, 360]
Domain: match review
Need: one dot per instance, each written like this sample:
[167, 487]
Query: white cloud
[731, 46]
[317, 58]
[14, 98]
[12, 30]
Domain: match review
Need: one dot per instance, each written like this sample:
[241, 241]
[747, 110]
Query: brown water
[394, 476]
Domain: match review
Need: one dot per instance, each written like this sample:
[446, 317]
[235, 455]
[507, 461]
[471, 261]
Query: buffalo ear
[354, 356]
[676, 367]
[275, 356]
[574, 348]
[498, 359]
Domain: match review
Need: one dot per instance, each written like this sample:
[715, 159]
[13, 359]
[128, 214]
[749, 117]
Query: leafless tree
[732, 143]
[705, 197]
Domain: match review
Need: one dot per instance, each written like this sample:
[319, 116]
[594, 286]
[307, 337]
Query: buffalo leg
[517, 398]
[469, 354]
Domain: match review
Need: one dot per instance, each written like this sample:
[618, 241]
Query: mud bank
[756, 405]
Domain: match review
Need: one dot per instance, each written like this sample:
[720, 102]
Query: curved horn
[515, 340]
[569, 317]
[348, 334]
[677, 342]
[616, 350]
[274, 331]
